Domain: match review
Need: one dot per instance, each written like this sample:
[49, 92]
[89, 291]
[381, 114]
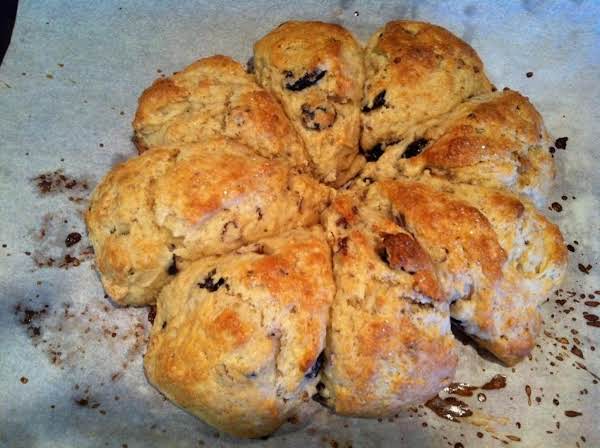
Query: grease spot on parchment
[470, 10]
[469, 32]
[531, 5]
[117, 159]
[345, 4]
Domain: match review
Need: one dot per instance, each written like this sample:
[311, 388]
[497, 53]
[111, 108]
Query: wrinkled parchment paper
[71, 362]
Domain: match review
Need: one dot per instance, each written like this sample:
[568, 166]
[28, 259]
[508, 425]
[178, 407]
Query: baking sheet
[71, 362]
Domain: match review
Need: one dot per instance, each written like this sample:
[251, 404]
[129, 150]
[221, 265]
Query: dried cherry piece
[309, 79]
[415, 148]
[318, 118]
[316, 367]
[378, 101]
[210, 284]
[373, 154]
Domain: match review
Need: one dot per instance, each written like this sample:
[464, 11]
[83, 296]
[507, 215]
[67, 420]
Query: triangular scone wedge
[315, 70]
[215, 97]
[496, 140]
[178, 203]
[389, 343]
[497, 257]
[237, 339]
[414, 71]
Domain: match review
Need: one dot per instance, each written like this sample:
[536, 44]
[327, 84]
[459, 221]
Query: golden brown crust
[215, 97]
[448, 223]
[497, 139]
[525, 326]
[415, 71]
[493, 256]
[188, 201]
[404, 253]
[389, 343]
[497, 256]
[132, 253]
[240, 352]
[315, 70]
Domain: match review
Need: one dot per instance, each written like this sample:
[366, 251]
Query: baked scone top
[133, 253]
[305, 47]
[237, 339]
[389, 342]
[215, 97]
[415, 71]
[178, 203]
[315, 70]
[497, 139]
[497, 257]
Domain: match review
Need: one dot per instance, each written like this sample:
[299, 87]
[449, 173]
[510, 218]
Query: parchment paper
[71, 362]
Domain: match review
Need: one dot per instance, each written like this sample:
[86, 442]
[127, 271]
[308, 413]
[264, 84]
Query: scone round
[496, 140]
[315, 70]
[497, 257]
[415, 71]
[237, 339]
[215, 97]
[389, 343]
[178, 203]
[218, 220]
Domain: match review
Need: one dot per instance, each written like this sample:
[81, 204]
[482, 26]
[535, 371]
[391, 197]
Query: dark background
[8, 11]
